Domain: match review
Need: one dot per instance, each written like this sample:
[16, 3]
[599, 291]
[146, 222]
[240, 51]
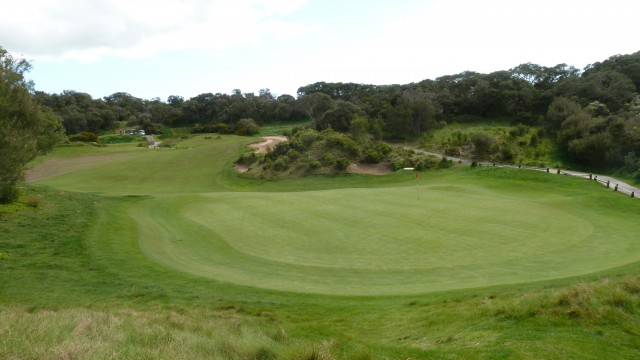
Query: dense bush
[154, 128]
[506, 154]
[247, 127]
[632, 165]
[220, 128]
[401, 159]
[84, 137]
[482, 143]
[280, 149]
[247, 159]
[342, 163]
[281, 163]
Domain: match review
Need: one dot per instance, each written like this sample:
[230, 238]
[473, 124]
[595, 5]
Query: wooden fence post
[607, 184]
[547, 169]
[616, 188]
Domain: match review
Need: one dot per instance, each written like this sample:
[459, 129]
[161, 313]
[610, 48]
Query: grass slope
[326, 267]
[197, 165]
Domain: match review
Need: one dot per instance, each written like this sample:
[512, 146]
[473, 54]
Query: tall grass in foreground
[586, 320]
[134, 334]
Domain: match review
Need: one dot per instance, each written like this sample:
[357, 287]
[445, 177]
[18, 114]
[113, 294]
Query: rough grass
[149, 334]
[198, 165]
[75, 282]
[281, 128]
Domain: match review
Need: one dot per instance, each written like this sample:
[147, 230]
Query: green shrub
[342, 163]
[293, 154]
[328, 160]
[84, 137]
[304, 138]
[383, 148]
[281, 163]
[373, 157]
[458, 138]
[220, 128]
[313, 164]
[506, 154]
[533, 142]
[344, 143]
[482, 143]
[519, 130]
[247, 159]
[280, 149]
[297, 129]
[247, 127]
[445, 163]
[425, 162]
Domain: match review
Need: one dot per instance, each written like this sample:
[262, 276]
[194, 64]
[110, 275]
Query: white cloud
[90, 30]
[448, 37]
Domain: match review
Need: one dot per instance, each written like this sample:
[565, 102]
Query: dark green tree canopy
[528, 94]
[25, 129]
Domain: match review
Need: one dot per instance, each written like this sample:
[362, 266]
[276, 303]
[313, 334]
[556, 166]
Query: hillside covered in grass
[130, 252]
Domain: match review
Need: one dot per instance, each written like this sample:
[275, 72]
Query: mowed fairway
[360, 235]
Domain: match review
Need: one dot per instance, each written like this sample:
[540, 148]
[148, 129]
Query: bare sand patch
[382, 168]
[268, 144]
[262, 147]
[241, 168]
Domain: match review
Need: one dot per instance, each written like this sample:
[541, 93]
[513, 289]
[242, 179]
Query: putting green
[382, 241]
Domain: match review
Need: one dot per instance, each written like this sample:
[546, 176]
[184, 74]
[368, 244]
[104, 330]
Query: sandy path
[604, 180]
[155, 144]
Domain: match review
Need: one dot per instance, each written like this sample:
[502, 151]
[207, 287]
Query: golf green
[379, 241]
[353, 234]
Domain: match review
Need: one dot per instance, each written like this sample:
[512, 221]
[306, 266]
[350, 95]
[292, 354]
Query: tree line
[593, 114]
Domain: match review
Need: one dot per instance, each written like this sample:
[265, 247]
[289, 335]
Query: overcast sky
[188, 47]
